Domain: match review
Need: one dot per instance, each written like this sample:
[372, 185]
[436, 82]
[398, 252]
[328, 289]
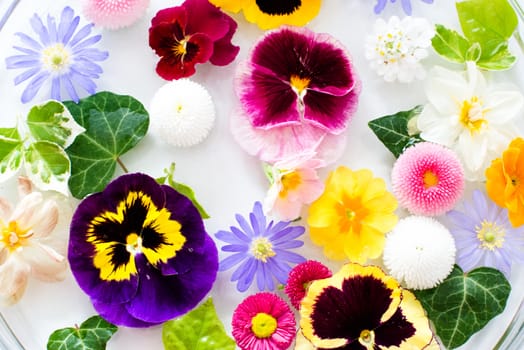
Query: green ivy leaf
[393, 130]
[464, 303]
[93, 334]
[47, 165]
[11, 146]
[502, 60]
[52, 122]
[450, 44]
[114, 124]
[199, 329]
[183, 189]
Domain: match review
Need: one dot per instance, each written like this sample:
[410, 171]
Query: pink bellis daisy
[114, 14]
[427, 179]
[301, 276]
[484, 235]
[194, 32]
[263, 321]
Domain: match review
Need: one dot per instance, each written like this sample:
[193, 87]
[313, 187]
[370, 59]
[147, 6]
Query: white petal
[446, 89]
[23, 213]
[14, 275]
[437, 128]
[502, 106]
[25, 186]
[46, 264]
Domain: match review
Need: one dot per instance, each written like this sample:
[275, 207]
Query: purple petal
[287, 234]
[242, 269]
[86, 43]
[51, 27]
[244, 225]
[68, 85]
[67, 25]
[119, 315]
[406, 6]
[22, 61]
[261, 276]
[34, 85]
[289, 244]
[55, 88]
[92, 54]
[27, 51]
[245, 280]
[26, 39]
[284, 255]
[229, 237]
[26, 75]
[84, 82]
[40, 29]
[231, 261]
[379, 7]
[86, 67]
[279, 269]
[235, 248]
[81, 34]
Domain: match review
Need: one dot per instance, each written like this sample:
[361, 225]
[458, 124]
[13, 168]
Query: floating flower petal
[260, 249]
[352, 215]
[192, 33]
[114, 14]
[484, 235]
[272, 14]
[182, 113]
[301, 277]
[360, 307]
[64, 56]
[427, 179]
[295, 76]
[141, 252]
[419, 251]
[263, 321]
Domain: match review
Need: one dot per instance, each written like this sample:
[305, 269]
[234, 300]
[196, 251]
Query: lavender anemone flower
[61, 54]
[141, 252]
[406, 5]
[484, 236]
[261, 249]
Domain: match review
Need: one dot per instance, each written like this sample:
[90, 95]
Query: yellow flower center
[367, 339]
[56, 58]
[290, 181]
[263, 325]
[180, 49]
[430, 179]
[262, 249]
[299, 84]
[14, 237]
[134, 243]
[490, 235]
[472, 115]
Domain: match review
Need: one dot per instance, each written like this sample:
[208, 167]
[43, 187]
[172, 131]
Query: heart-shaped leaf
[394, 131]
[52, 122]
[47, 165]
[11, 147]
[464, 303]
[114, 124]
[199, 329]
[450, 44]
[93, 334]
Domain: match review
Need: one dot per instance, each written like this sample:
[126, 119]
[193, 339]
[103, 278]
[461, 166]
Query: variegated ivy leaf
[48, 166]
[52, 122]
[11, 146]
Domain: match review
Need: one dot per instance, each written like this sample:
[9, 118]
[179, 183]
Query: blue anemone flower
[60, 54]
[260, 248]
[406, 5]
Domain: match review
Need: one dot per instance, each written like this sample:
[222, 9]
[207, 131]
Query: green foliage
[114, 124]
[464, 303]
[93, 334]
[393, 130]
[199, 329]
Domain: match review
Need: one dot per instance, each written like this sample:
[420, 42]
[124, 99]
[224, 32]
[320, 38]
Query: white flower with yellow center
[467, 115]
[397, 46]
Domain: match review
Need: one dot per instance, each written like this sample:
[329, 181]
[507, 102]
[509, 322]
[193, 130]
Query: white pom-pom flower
[182, 113]
[419, 251]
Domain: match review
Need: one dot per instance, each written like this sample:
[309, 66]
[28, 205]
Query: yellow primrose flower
[272, 14]
[350, 218]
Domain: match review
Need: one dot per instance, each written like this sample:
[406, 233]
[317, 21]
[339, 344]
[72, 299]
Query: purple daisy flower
[261, 249]
[484, 236]
[61, 54]
[406, 5]
[141, 252]
[295, 76]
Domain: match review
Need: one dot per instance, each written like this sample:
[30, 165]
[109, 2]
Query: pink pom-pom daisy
[263, 321]
[301, 276]
[427, 179]
[114, 14]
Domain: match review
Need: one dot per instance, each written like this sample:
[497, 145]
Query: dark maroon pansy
[194, 32]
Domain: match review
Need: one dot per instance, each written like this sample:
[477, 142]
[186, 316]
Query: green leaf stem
[93, 334]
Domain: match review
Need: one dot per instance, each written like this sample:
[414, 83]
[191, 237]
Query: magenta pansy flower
[294, 76]
[195, 32]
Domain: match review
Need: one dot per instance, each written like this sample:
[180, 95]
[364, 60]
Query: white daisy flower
[470, 117]
[182, 113]
[396, 48]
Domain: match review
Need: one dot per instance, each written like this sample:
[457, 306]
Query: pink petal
[170, 15]
[205, 18]
[25, 186]
[223, 51]
[14, 275]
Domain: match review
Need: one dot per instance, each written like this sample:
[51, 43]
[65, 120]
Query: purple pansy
[484, 236]
[295, 76]
[141, 252]
[406, 5]
[61, 54]
[260, 249]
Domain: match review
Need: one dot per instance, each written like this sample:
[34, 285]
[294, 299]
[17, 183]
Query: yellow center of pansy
[471, 115]
[137, 226]
[490, 234]
[180, 48]
[299, 84]
[262, 249]
[14, 237]
[56, 58]
[290, 181]
[430, 179]
[367, 339]
[263, 325]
